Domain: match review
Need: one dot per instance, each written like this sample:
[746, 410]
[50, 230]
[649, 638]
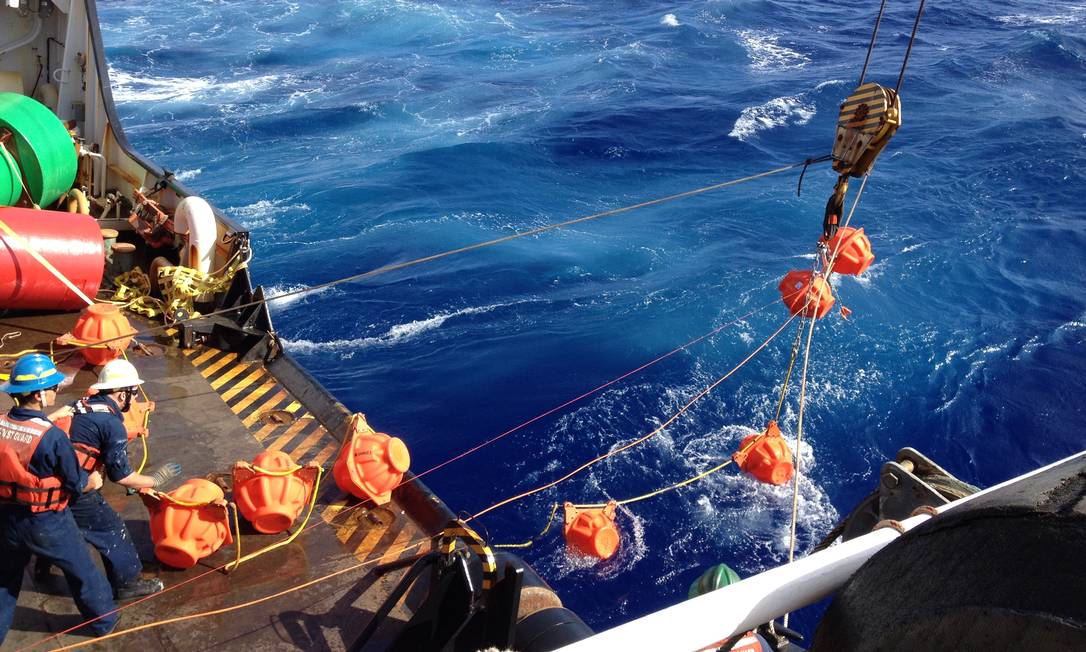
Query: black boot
[43, 569]
[138, 588]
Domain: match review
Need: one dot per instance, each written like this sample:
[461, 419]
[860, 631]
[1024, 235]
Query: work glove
[163, 474]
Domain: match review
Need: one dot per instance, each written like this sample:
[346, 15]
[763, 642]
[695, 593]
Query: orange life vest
[90, 458]
[18, 441]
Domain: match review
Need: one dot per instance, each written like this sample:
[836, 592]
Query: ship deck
[213, 410]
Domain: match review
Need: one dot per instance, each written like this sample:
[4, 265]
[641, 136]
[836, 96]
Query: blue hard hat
[31, 373]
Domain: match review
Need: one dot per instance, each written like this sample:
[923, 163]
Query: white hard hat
[116, 374]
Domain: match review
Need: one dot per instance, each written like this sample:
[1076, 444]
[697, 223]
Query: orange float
[766, 456]
[592, 531]
[189, 523]
[853, 249]
[100, 321]
[807, 294]
[370, 464]
[272, 491]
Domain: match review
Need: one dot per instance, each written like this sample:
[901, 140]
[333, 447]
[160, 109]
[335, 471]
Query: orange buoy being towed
[370, 464]
[807, 294]
[189, 523]
[272, 491]
[100, 321]
[592, 531]
[766, 456]
[853, 249]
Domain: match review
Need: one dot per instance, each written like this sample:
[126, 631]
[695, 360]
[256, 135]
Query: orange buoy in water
[100, 321]
[806, 294]
[370, 464]
[592, 531]
[272, 491]
[853, 249]
[189, 523]
[766, 456]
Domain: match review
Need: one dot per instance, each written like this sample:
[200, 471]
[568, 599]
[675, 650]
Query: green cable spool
[43, 147]
[715, 578]
[11, 185]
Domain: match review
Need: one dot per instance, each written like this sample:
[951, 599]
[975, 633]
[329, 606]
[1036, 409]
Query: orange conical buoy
[189, 523]
[766, 456]
[272, 491]
[853, 249]
[807, 294]
[592, 532]
[100, 321]
[370, 464]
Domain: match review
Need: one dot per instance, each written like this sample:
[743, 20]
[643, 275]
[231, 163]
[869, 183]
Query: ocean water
[352, 134]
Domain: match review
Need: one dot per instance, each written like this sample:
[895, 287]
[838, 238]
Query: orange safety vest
[90, 458]
[18, 441]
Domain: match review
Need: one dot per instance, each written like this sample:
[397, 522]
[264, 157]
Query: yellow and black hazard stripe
[459, 531]
[865, 109]
[270, 413]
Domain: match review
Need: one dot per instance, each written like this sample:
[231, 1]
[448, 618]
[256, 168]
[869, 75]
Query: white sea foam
[264, 212]
[670, 20]
[766, 52]
[132, 88]
[786, 111]
[1025, 20]
[276, 290]
[395, 335]
[187, 175]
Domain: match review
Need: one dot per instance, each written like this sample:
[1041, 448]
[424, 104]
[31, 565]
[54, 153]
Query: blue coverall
[52, 535]
[102, 527]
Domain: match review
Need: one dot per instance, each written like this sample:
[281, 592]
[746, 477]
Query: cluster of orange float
[192, 521]
[764, 455]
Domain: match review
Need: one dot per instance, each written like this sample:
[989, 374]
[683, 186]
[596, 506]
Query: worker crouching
[39, 476]
[100, 439]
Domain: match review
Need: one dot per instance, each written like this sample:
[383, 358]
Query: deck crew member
[39, 474]
[101, 443]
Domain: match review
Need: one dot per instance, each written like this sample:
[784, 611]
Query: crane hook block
[869, 118]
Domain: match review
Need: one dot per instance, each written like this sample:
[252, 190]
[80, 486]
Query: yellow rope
[640, 440]
[530, 542]
[294, 535]
[143, 462]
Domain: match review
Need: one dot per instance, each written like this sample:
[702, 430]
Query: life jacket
[18, 441]
[90, 458]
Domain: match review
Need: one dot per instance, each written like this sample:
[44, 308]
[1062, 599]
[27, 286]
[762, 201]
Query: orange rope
[635, 442]
[250, 603]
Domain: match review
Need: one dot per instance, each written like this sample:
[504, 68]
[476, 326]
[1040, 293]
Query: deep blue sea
[352, 134]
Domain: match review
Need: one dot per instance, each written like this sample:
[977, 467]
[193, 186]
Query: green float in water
[43, 149]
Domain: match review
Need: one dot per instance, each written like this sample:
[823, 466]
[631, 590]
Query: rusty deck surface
[213, 410]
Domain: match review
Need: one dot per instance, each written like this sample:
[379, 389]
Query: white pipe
[20, 42]
[97, 180]
[707, 619]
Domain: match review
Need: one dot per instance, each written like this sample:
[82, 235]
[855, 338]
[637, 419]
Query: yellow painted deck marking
[226, 377]
[370, 541]
[251, 398]
[292, 431]
[392, 552]
[218, 364]
[205, 356]
[293, 407]
[326, 452]
[307, 443]
[266, 405]
[243, 383]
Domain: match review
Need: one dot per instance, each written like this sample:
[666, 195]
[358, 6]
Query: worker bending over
[39, 475]
[100, 439]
